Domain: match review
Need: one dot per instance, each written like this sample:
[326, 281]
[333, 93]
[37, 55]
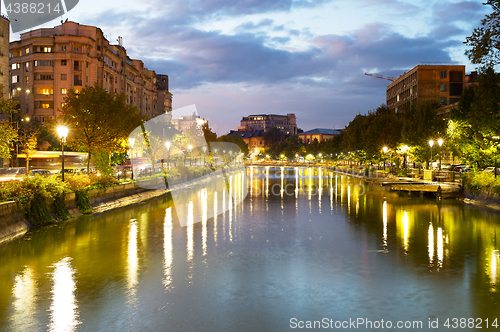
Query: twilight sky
[233, 58]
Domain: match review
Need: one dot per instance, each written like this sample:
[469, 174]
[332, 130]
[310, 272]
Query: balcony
[44, 97]
[44, 112]
[77, 83]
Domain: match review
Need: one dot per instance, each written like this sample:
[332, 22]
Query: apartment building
[286, 123]
[46, 63]
[440, 82]
[4, 56]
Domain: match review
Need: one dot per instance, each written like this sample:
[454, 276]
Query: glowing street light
[385, 149]
[62, 131]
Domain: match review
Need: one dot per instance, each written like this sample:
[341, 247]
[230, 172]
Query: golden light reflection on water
[204, 218]
[431, 243]
[132, 259]
[384, 220]
[440, 247]
[406, 230]
[495, 256]
[190, 240]
[167, 248]
[24, 301]
[215, 218]
[64, 307]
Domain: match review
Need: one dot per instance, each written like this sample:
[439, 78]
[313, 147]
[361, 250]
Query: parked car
[456, 168]
[464, 168]
[491, 169]
[42, 172]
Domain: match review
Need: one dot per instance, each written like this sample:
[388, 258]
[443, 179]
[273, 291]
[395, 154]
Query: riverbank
[14, 221]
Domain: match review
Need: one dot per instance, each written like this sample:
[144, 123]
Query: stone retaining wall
[12, 221]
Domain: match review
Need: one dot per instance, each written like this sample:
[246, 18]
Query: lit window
[14, 66]
[64, 91]
[45, 105]
[63, 48]
[27, 50]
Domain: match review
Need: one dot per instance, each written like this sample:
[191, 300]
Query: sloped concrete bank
[13, 220]
[486, 199]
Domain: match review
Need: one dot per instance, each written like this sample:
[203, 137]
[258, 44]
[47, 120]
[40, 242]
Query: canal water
[305, 247]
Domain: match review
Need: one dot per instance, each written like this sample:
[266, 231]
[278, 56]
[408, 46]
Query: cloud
[463, 11]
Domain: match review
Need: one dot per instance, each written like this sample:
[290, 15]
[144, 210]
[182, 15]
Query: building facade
[164, 96]
[441, 83]
[319, 133]
[4, 56]
[46, 63]
[184, 123]
[253, 138]
[286, 123]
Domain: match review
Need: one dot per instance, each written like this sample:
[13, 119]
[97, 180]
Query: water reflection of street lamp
[385, 149]
[440, 143]
[62, 131]
[431, 143]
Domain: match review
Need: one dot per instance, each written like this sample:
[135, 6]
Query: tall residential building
[442, 83]
[164, 96]
[4, 55]
[46, 63]
[286, 123]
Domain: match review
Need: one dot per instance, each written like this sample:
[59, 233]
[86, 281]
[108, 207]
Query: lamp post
[167, 145]
[385, 149]
[496, 138]
[440, 143]
[62, 131]
[431, 143]
[131, 142]
[190, 147]
[405, 150]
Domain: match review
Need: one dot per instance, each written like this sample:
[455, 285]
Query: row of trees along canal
[471, 132]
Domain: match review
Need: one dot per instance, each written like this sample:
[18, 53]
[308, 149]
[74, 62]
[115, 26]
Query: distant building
[253, 138]
[46, 63]
[4, 56]
[286, 123]
[164, 96]
[442, 83]
[186, 122]
[320, 134]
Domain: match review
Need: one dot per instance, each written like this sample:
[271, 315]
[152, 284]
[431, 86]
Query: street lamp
[440, 143]
[496, 138]
[385, 149]
[62, 131]
[167, 145]
[431, 143]
[405, 150]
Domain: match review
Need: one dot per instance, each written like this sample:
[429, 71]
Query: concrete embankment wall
[484, 198]
[12, 221]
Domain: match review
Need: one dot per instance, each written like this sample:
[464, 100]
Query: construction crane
[381, 76]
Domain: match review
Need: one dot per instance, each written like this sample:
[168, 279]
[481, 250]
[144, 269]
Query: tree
[98, 120]
[273, 136]
[28, 142]
[476, 120]
[8, 133]
[422, 124]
